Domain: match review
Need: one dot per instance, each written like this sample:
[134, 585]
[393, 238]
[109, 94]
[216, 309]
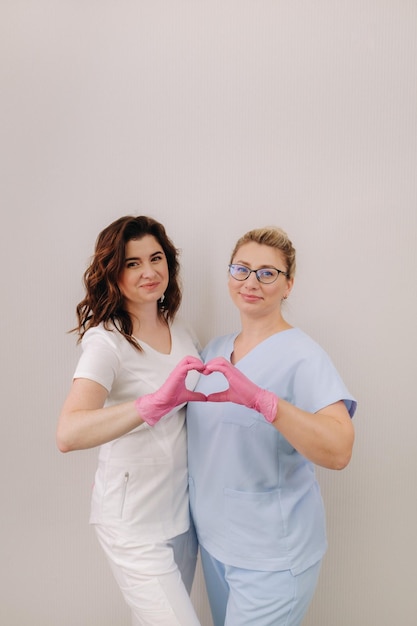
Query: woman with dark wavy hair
[128, 397]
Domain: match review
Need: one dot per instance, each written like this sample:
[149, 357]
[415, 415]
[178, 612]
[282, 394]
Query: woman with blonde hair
[276, 406]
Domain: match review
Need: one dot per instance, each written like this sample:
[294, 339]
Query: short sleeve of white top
[255, 500]
[141, 482]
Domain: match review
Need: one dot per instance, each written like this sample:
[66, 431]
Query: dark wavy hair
[103, 301]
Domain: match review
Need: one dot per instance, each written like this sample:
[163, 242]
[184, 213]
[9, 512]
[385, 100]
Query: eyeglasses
[266, 275]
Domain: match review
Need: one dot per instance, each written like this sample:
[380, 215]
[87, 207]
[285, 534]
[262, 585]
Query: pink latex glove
[242, 390]
[173, 392]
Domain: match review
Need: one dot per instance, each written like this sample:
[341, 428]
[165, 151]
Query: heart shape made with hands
[240, 389]
[204, 371]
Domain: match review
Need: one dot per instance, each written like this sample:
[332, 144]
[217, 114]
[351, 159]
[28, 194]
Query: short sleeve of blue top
[254, 499]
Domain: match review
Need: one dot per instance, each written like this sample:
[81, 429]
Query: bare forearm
[82, 429]
[325, 438]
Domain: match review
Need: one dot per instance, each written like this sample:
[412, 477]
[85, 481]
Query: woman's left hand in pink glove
[173, 392]
[242, 390]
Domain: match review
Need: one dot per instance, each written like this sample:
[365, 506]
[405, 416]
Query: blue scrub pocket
[255, 525]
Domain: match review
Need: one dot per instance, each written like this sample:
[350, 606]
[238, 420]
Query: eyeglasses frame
[270, 267]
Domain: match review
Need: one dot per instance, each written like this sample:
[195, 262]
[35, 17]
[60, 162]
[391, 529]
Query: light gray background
[213, 117]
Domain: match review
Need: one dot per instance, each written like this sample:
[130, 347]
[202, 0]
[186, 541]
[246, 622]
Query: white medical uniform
[140, 501]
[255, 500]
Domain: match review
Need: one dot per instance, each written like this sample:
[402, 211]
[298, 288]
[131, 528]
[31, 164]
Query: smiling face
[252, 297]
[145, 275]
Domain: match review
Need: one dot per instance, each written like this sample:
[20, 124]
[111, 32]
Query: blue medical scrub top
[255, 500]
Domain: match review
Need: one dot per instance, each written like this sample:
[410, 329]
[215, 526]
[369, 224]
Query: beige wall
[213, 117]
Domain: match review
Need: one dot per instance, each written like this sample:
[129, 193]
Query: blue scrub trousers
[243, 597]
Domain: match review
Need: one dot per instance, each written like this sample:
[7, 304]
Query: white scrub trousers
[155, 579]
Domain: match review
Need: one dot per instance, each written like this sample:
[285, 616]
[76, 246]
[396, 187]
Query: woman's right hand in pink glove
[173, 392]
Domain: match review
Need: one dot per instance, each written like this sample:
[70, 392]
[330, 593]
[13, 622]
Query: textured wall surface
[213, 117]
